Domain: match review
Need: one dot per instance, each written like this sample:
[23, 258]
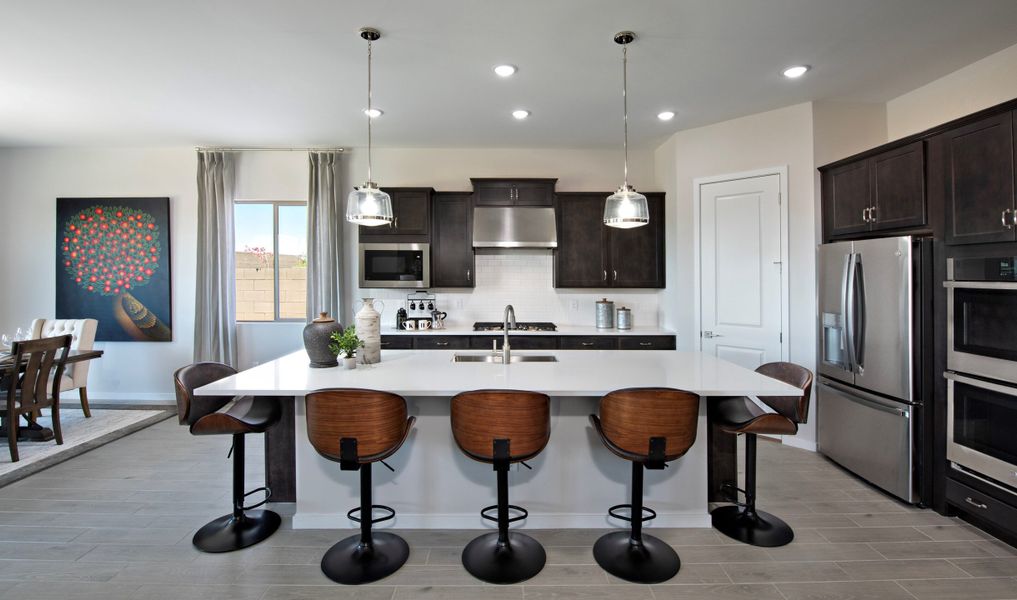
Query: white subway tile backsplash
[523, 278]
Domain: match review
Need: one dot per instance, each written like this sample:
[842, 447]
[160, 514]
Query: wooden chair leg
[83, 393]
[12, 435]
[57, 432]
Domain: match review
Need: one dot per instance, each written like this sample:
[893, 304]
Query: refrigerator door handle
[860, 397]
[858, 335]
[849, 309]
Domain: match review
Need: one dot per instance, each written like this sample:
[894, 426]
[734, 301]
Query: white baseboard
[797, 442]
[132, 397]
[473, 521]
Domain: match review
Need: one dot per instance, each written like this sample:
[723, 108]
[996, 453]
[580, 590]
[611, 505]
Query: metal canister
[605, 314]
[624, 318]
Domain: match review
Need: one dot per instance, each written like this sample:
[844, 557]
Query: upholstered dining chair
[82, 332]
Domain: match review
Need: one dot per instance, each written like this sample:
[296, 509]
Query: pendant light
[368, 205]
[626, 208]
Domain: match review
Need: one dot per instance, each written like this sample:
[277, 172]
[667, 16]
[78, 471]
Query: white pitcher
[368, 321]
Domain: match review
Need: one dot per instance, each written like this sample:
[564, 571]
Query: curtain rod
[264, 149]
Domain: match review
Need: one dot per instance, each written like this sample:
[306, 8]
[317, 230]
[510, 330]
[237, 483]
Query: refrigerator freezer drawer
[868, 435]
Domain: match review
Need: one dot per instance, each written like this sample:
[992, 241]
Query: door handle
[847, 307]
[711, 335]
[469, 274]
[605, 274]
[976, 504]
[615, 271]
[859, 321]
[865, 215]
[872, 214]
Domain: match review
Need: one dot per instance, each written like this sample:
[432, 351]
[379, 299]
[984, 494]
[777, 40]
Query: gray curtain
[215, 306]
[325, 218]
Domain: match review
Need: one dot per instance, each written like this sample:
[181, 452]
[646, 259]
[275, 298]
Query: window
[271, 261]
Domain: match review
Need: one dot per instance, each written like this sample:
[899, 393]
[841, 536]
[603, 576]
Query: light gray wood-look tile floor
[117, 523]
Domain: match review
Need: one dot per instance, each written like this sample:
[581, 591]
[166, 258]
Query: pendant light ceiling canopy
[626, 208]
[368, 205]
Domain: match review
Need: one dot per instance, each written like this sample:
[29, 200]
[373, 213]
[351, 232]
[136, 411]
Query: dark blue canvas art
[113, 264]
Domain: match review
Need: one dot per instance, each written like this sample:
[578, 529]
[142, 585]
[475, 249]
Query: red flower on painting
[93, 249]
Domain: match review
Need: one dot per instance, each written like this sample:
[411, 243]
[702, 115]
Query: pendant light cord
[369, 119]
[625, 108]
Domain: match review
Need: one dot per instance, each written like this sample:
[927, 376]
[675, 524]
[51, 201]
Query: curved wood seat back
[34, 386]
[480, 417]
[795, 408]
[190, 408]
[376, 419]
[630, 417]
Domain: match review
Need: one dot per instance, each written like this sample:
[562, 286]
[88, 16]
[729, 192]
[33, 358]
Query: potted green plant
[346, 343]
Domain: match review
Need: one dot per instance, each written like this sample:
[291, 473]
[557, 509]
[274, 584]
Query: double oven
[982, 367]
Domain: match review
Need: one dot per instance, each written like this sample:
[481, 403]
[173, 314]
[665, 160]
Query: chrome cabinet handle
[605, 274]
[385, 343]
[441, 343]
[395, 222]
[615, 274]
[976, 504]
[1008, 224]
[865, 215]
[585, 343]
[872, 214]
[469, 275]
[645, 343]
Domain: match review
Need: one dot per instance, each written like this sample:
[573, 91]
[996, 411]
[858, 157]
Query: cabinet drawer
[440, 342]
[981, 505]
[396, 342]
[518, 342]
[589, 342]
[647, 342]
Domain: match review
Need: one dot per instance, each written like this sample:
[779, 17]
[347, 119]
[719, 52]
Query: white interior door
[740, 266]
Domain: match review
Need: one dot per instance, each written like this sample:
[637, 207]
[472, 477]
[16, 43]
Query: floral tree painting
[113, 265]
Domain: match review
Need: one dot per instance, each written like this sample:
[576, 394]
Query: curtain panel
[215, 322]
[325, 217]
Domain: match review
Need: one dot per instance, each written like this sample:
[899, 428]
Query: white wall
[979, 85]
[770, 139]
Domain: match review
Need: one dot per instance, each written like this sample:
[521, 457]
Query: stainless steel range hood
[514, 227]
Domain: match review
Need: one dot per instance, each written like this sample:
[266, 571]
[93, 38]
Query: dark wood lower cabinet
[440, 342]
[589, 342]
[648, 342]
[518, 342]
[529, 342]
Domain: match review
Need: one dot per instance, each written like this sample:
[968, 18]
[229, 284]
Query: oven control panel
[996, 268]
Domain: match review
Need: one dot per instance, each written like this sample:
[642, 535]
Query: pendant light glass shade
[368, 205]
[626, 208]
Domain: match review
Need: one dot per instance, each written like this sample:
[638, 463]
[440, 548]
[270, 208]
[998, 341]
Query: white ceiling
[292, 73]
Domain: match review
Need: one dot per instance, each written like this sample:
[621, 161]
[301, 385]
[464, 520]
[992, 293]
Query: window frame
[275, 258]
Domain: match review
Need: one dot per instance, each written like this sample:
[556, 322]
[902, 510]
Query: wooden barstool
[236, 416]
[740, 415]
[650, 427]
[358, 428]
[502, 427]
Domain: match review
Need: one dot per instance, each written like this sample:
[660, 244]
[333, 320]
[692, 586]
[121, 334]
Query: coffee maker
[421, 306]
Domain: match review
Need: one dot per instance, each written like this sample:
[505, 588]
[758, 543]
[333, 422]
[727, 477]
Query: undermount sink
[498, 358]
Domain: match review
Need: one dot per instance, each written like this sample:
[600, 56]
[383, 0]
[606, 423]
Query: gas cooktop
[520, 326]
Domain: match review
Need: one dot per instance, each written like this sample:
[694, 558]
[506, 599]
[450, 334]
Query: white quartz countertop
[577, 373]
[562, 330]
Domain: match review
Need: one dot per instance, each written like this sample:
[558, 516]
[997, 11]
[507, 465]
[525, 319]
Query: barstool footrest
[354, 511]
[268, 496]
[613, 511]
[523, 513]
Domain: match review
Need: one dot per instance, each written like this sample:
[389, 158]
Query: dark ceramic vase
[317, 335]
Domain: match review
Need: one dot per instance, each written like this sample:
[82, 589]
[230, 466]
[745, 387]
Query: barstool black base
[351, 563]
[651, 561]
[228, 533]
[490, 561]
[757, 528]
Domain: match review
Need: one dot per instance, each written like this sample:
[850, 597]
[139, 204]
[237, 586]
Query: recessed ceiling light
[520, 114]
[796, 71]
[505, 70]
[667, 115]
[374, 113]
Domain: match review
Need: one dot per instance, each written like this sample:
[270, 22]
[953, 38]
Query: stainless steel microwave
[395, 265]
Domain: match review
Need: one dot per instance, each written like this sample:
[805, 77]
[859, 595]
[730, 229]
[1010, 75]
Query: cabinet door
[979, 180]
[637, 254]
[452, 256]
[898, 188]
[493, 193]
[533, 194]
[845, 199]
[411, 210]
[580, 256]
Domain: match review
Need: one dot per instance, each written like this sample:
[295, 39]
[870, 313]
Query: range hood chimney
[514, 227]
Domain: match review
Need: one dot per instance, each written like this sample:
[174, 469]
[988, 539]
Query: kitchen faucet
[509, 320]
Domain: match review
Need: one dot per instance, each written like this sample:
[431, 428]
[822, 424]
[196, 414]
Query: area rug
[80, 435]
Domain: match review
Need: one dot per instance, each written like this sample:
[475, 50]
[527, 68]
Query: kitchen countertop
[562, 330]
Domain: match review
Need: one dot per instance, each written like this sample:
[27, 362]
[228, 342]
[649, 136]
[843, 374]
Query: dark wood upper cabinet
[580, 259]
[592, 255]
[452, 255]
[898, 188]
[411, 222]
[976, 177]
[513, 192]
[846, 199]
[881, 192]
[637, 255]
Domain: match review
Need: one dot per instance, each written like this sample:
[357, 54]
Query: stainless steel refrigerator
[869, 400]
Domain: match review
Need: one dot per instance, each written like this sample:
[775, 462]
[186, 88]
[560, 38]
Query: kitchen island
[572, 482]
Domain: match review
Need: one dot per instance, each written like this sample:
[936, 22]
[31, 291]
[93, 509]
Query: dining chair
[33, 389]
[82, 332]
